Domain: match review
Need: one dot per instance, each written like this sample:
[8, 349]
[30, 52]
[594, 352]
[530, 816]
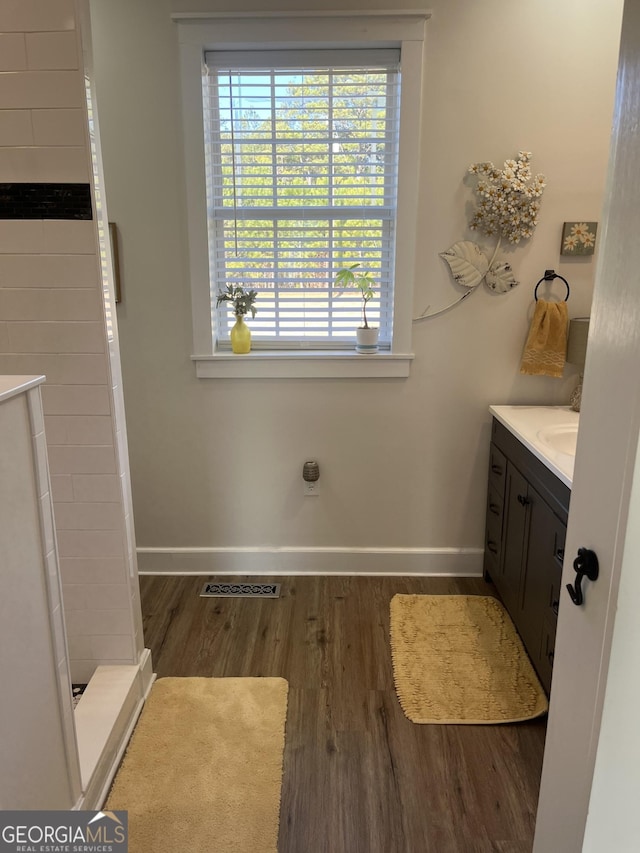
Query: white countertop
[12, 385]
[526, 423]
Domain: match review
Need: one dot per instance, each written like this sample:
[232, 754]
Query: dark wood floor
[358, 776]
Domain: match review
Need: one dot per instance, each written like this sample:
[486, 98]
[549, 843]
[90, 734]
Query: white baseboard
[430, 562]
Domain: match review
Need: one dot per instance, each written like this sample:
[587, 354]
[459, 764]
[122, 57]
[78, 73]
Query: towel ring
[550, 275]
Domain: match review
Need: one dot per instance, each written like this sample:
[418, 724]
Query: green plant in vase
[353, 276]
[241, 301]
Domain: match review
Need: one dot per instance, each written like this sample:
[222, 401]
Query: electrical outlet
[310, 489]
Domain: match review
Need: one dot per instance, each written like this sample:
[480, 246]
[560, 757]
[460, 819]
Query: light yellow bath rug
[203, 770]
[459, 659]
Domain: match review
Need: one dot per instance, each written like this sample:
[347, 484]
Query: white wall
[218, 462]
[52, 322]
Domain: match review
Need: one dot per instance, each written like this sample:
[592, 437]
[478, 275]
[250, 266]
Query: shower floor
[76, 692]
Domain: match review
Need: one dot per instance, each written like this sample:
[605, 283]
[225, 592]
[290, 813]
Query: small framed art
[578, 238]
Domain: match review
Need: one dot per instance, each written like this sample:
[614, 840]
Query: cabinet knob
[491, 545]
[554, 606]
[523, 500]
[494, 508]
[497, 469]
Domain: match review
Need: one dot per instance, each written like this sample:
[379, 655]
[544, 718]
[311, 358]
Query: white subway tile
[56, 337]
[82, 670]
[52, 51]
[76, 400]
[59, 127]
[46, 271]
[108, 596]
[96, 487]
[16, 127]
[57, 432]
[74, 596]
[79, 429]
[113, 648]
[21, 236]
[79, 647]
[95, 622]
[44, 165]
[76, 459]
[62, 488]
[89, 516]
[13, 54]
[51, 305]
[96, 570]
[69, 237]
[69, 369]
[90, 543]
[36, 15]
[41, 90]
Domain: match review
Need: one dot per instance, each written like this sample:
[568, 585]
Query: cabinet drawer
[497, 469]
[547, 652]
[555, 576]
[495, 505]
[493, 536]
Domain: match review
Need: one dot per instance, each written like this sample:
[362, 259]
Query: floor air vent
[240, 590]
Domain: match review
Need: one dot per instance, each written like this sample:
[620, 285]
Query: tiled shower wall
[52, 321]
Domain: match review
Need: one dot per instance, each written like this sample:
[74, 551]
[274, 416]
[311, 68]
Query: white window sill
[313, 364]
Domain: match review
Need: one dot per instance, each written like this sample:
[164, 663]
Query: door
[599, 514]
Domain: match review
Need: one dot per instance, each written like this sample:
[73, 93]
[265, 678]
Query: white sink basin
[549, 432]
[561, 438]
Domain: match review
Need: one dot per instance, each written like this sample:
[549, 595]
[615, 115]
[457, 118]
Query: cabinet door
[495, 503]
[515, 534]
[493, 534]
[540, 588]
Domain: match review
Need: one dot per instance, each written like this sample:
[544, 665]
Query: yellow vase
[240, 336]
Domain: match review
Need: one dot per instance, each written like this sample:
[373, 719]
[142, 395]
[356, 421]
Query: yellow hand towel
[546, 348]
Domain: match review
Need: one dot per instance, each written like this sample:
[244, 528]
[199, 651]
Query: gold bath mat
[203, 770]
[459, 659]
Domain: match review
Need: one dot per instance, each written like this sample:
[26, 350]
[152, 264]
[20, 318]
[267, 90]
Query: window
[302, 156]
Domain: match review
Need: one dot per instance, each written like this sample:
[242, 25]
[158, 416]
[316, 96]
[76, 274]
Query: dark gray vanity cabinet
[527, 509]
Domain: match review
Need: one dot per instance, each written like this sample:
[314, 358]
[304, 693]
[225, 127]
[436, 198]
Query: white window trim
[239, 32]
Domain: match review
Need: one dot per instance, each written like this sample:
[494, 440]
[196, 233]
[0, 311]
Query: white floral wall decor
[508, 204]
[579, 238]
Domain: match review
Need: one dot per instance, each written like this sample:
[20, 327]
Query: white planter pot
[367, 341]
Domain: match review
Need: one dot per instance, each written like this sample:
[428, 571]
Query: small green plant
[241, 299]
[346, 277]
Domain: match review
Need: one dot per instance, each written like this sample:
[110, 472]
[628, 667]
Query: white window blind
[302, 158]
